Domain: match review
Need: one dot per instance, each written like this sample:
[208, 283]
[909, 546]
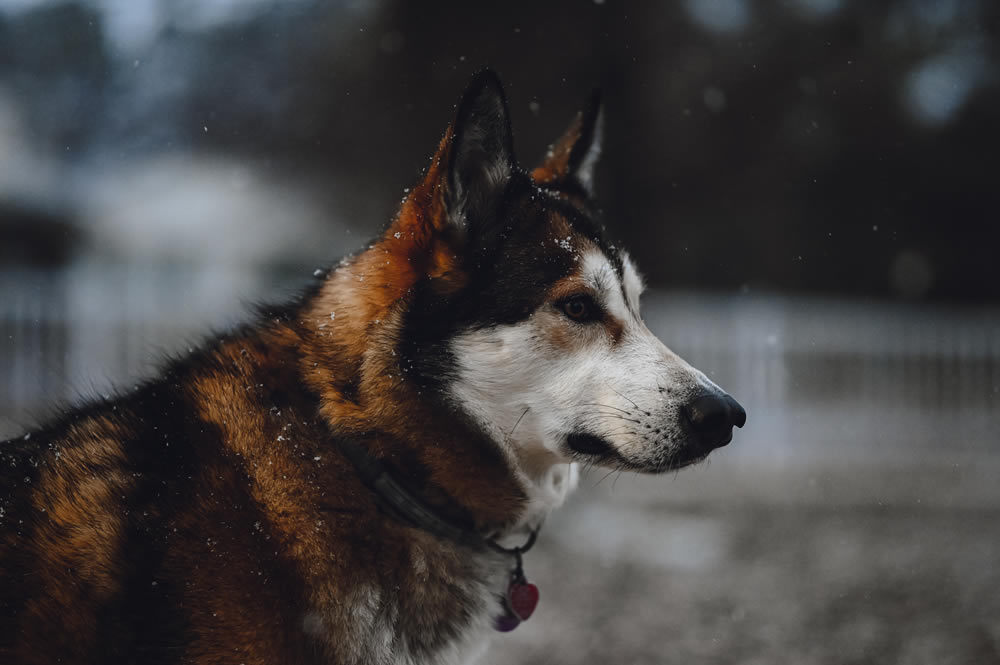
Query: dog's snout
[713, 416]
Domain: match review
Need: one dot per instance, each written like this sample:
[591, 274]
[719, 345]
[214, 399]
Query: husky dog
[352, 478]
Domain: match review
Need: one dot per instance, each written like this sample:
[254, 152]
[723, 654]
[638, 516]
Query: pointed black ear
[482, 154]
[575, 154]
[587, 149]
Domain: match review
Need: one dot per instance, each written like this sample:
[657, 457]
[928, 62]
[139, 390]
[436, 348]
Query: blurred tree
[809, 145]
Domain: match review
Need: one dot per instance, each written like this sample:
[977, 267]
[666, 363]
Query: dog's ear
[481, 154]
[574, 155]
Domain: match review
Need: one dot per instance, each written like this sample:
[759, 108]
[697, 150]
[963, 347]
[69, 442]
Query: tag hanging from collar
[518, 602]
[521, 597]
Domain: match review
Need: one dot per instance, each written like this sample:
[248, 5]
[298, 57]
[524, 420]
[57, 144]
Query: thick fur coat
[487, 340]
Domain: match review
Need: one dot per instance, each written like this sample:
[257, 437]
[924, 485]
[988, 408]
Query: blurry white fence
[87, 329]
[819, 378]
[835, 378]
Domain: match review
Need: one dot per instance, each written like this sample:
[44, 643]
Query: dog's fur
[210, 516]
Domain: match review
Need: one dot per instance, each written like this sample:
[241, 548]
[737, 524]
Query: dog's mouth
[601, 450]
[591, 445]
[680, 461]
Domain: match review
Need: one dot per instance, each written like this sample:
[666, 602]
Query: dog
[357, 476]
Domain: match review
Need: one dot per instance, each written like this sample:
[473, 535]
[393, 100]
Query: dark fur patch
[209, 515]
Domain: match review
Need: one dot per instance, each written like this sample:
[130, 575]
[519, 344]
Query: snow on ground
[731, 563]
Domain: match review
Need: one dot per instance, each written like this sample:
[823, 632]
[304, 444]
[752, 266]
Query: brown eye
[579, 308]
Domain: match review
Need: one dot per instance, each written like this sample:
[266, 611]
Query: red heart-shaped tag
[523, 597]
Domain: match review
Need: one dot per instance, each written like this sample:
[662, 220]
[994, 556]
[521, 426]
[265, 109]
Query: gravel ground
[733, 564]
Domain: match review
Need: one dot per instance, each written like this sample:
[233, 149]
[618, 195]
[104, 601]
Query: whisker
[629, 400]
[603, 477]
[626, 430]
[607, 406]
[520, 418]
[617, 417]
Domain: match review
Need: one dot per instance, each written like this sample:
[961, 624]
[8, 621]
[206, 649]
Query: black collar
[409, 508]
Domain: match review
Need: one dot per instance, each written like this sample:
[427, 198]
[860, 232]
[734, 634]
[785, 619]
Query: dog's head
[498, 290]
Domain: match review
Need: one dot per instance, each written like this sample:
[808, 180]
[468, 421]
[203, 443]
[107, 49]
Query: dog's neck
[365, 394]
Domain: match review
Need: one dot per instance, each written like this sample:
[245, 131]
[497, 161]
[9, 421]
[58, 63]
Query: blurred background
[809, 186]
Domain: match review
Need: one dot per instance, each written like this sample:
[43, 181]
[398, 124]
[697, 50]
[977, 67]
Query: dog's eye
[580, 308]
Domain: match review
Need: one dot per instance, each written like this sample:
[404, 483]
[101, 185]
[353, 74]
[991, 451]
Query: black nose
[712, 418]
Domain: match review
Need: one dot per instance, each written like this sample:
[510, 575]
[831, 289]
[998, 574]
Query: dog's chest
[441, 610]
